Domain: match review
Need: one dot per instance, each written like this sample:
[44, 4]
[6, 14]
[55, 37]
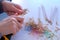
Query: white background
[32, 6]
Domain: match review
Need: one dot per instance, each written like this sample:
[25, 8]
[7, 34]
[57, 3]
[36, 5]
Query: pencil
[5, 37]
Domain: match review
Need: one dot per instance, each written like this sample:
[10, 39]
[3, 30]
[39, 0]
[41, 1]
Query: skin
[11, 25]
[12, 9]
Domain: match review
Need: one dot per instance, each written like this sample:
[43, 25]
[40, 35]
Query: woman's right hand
[11, 25]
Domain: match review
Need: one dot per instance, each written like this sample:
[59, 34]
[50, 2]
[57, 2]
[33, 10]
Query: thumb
[16, 10]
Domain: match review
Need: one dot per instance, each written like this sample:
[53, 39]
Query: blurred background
[52, 9]
[34, 7]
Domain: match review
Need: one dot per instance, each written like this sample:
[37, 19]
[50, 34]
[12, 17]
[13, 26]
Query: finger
[24, 11]
[16, 14]
[15, 28]
[20, 20]
[19, 26]
[17, 23]
[17, 18]
[10, 13]
[21, 12]
[8, 19]
[18, 6]
[16, 10]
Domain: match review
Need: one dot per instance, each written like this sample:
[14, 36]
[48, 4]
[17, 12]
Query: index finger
[20, 20]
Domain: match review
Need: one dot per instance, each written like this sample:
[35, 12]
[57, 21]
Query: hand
[11, 25]
[16, 14]
[11, 8]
